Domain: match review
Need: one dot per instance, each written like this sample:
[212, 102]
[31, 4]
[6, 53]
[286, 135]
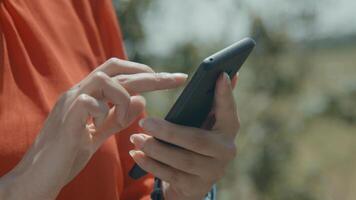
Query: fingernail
[140, 123]
[131, 139]
[132, 153]
[137, 140]
[148, 124]
[180, 75]
[227, 78]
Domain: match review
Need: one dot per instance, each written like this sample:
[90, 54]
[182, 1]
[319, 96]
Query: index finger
[145, 82]
[115, 66]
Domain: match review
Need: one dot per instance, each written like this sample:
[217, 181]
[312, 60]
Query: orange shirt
[46, 46]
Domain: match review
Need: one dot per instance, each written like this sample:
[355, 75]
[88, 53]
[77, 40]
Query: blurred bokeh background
[296, 94]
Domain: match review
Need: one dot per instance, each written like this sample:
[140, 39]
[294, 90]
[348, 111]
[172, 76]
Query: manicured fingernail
[132, 139]
[237, 77]
[227, 78]
[148, 124]
[140, 123]
[132, 153]
[137, 140]
[180, 75]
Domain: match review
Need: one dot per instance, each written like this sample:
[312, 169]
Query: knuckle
[157, 77]
[100, 77]
[141, 67]
[113, 61]
[123, 78]
[146, 68]
[83, 99]
[164, 78]
[158, 80]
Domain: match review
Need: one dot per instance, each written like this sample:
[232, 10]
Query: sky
[170, 22]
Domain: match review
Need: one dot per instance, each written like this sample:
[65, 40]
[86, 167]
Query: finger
[225, 107]
[160, 170]
[235, 80]
[145, 82]
[83, 107]
[115, 66]
[194, 139]
[99, 119]
[101, 86]
[136, 107]
[181, 159]
[210, 121]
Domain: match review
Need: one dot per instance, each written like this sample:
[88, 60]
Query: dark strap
[157, 193]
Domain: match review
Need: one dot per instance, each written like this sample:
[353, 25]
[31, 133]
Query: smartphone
[195, 102]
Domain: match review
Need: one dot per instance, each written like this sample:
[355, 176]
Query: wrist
[3, 190]
[32, 190]
[9, 189]
[16, 187]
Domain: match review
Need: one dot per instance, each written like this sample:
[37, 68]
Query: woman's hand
[78, 125]
[190, 172]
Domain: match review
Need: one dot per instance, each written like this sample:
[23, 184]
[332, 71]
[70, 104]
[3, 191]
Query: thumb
[235, 80]
[225, 107]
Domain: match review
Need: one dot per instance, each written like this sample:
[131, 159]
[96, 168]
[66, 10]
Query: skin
[78, 125]
[189, 172]
[81, 121]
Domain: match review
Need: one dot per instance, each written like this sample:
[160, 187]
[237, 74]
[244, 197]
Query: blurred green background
[296, 94]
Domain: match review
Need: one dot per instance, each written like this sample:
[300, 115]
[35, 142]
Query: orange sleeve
[133, 189]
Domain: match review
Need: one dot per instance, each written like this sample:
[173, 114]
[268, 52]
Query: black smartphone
[194, 104]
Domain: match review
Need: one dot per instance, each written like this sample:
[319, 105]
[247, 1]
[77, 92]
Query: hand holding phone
[196, 100]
